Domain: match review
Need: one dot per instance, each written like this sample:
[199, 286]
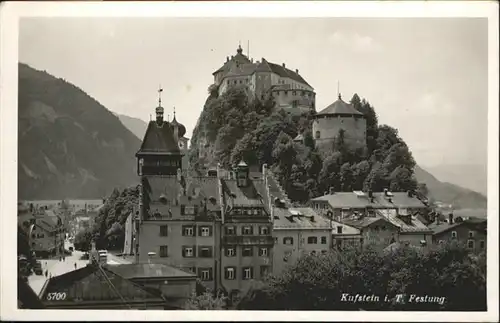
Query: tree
[83, 240]
[346, 177]
[401, 180]
[206, 301]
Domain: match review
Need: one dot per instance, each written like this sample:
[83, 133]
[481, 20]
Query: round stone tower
[339, 115]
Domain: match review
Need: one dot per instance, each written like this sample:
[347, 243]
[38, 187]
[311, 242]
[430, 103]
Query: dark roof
[413, 224]
[167, 186]
[159, 139]
[90, 284]
[285, 72]
[443, 227]
[132, 271]
[239, 58]
[340, 107]
[26, 297]
[241, 69]
[252, 195]
[205, 187]
[182, 129]
[352, 200]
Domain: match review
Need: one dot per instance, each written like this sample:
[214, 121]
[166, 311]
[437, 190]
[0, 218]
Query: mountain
[473, 177]
[459, 197]
[70, 146]
[135, 125]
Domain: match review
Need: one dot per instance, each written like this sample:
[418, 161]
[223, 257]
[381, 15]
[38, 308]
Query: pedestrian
[46, 273]
[75, 265]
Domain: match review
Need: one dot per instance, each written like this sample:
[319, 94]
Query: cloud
[355, 42]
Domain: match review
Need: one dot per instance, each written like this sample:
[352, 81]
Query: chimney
[284, 65]
[264, 172]
[332, 191]
[326, 193]
[251, 60]
[370, 194]
[410, 193]
[385, 191]
[450, 218]
[438, 219]
[297, 71]
[227, 58]
[179, 175]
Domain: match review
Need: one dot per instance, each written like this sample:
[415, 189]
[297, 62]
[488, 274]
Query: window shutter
[210, 231]
[183, 229]
[226, 273]
[182, 209]
[211, 249]
[194, 231]
[194, 251]
[199, 230]
[183, 251]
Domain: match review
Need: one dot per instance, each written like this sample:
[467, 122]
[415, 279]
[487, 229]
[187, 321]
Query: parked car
[37, 268]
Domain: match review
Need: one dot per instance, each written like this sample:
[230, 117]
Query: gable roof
[239, 58]
[340, 107]
[285, 72]
[26, 297]
[134, 271]
[363, 222]
[94, 284]
[254, 194]
[414, 225]
[159, 139]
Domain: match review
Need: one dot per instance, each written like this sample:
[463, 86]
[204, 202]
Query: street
[56, 267]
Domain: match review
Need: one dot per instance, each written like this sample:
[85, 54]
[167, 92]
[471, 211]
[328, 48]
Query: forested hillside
[234, 126]
[70, 146]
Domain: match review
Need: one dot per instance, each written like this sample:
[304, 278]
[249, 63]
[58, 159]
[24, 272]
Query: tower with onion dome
[338, 116]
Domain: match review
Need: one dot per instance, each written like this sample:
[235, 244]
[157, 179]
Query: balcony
[248, 240]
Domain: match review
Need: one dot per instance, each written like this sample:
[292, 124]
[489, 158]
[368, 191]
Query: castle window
[241, 81]
[318, 134]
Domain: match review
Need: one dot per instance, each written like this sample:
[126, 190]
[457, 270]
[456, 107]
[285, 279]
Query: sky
[427, 77]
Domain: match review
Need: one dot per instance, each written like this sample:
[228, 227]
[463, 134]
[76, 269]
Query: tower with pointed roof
[263, 79]
[159, 153]
[338, 116]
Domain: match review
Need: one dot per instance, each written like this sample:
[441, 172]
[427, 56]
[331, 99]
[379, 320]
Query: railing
[248, 240]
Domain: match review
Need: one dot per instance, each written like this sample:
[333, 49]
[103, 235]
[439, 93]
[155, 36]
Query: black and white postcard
[263, 160]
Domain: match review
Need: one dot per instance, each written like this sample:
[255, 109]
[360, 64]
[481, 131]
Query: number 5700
[56, 296]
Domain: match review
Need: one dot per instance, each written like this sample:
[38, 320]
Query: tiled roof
[351, 200]
[284, 219]
[415, 225]
[166, 186]
[252, 195]
[443, 227]
[131, 271]
[238, 58]
[285, 72]
[93, 285]
[205, 187]
[346, 229]
[340, 107]
[241, 69]
[159, 139]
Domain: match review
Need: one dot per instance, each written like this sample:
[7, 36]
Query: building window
[263, 252]
[230, 252]
[318, 134]
[248, 252]
[264, 271]
[230, 231]
[205, 231]
[247, 231]
[247, 273]
[470, 244]
[323, 240]
[312, 240]
[205, 252]
[163, 230]
[481, 244]
[288, 240]
[187, 210]
[339, 229]
[187, 252]
[471, 234]
[205, 274]
[454, 234]
[264, 231]
[230, 273]
[188, 231]
[163, 251]
[192, 269]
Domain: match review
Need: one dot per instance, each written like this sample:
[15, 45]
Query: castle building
[339, 116]
[289, 90]
[217, 226]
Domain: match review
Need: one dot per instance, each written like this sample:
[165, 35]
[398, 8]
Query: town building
[298, 231]
[288, 89]
[471, 232]
[217, 226]
[339, 116]
[44, 229]
[176, 285]
[246, 232]
[98, 287]
[384, 217]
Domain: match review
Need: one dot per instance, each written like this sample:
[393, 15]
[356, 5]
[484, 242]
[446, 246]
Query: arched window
[288, 240]
[318, 134]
